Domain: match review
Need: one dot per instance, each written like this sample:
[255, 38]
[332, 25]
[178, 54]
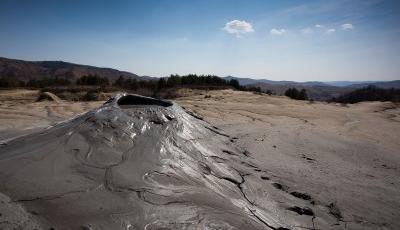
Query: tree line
[90, 80]
[370, 93]
[174, 80]
[296, 94]
[34, 83]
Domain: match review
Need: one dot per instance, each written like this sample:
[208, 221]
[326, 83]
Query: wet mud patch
[233, 139]
[280, 186]
[194, 115]
[169, 118]
[335, 211]
[218, 159]
[229, 152]
[205, 169]
[300, 195]
[217, 132]
[250, 165]
[302, 211]
[307, 158]
[246, 153]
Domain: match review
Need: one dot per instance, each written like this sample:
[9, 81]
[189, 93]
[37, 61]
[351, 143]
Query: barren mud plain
[207, 160]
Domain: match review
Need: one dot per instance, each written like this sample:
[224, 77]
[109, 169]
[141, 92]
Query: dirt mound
[47, 96]
[95, 96]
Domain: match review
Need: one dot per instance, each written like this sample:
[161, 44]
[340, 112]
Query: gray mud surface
[142, 163]
[136, 163]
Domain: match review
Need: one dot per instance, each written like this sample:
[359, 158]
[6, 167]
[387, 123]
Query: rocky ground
[325, 166]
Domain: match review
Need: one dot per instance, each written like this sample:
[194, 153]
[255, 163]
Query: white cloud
[330, 31]
[277, 31]
[307, 30]
[319, 26]
[347, 26]
[238, 27]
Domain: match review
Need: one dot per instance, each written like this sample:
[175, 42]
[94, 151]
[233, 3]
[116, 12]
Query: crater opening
[140, 100]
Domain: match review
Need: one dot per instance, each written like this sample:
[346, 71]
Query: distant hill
[26, 70]
[347, 83]
[355, 84]
[381, 84]
[369, 93]
[247, 81]
[251, 81]
[316, 90]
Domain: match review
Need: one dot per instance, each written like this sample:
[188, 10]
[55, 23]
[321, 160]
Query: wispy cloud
[277, 31]
[238, 27]
[347, 26]
[330, 31]
[319, 26]
[307, 30]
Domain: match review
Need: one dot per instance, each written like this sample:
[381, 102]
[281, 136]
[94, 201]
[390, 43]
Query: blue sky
[278, 40]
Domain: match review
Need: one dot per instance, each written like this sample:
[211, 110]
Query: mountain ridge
[248, 81]
[316, 90]
[26, 70]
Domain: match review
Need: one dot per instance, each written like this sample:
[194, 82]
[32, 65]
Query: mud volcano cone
[134, 163]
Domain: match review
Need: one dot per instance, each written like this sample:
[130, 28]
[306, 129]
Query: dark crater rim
[132, 100]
